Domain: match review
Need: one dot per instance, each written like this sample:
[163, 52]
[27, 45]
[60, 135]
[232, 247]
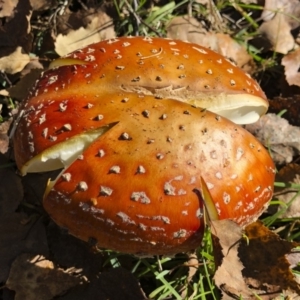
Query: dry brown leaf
[272, 7]
[289, 174]
[42, 4]
[7, 8]
[99, 28]
[291, 63]
[67, 20]
[28, 76]
[253, 264]
[3, 93]
[226, 236]
[189, 29]
[33, 277]
[228, 47]
[15, 37]
[278, 32]
[15, 30]
[279, 136]
[34, 64]
[290, 9]
[15, 62]
[264, 256]
[4, 140]
[20, 90]
[186, 29]
[290, 295]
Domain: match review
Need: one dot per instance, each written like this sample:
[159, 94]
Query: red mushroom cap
[133, 160]
[170, 69]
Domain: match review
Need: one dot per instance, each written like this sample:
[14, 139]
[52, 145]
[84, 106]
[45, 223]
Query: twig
[285, 191]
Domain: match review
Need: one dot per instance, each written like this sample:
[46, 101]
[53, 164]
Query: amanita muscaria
[127, 121]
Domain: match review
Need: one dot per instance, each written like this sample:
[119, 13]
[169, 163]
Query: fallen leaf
[228, 47]
[4, 140]
[20, 90]
[7, 8]
[251, 263]
[33, 277]
[16, 38]
[264, 258]
[291, 63]
[34, 64]
[278, 32]
[3, 93]
[228, 277]
[39, 5]
[279, 136]
[99, 28]
[189, 29]
[272, 7]
[14, 62]
[289, 174]
[290, 295]
[290, 9]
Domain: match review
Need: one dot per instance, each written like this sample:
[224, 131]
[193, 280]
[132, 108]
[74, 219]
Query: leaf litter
[252, 260]
[39, 277]
[281, 138]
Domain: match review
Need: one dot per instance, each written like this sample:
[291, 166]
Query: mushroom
[141, 159]
[169, 69]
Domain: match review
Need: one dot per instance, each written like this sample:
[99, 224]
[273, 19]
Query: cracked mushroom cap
[132, 162]
[169, 69]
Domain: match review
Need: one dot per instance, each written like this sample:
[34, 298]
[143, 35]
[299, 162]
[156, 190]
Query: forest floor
[39, 260]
